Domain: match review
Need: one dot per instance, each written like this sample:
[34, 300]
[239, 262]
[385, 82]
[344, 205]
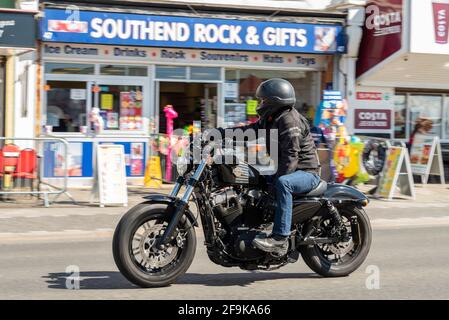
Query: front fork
[180, 204]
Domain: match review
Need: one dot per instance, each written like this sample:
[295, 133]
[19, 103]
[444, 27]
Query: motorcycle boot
[277, 245]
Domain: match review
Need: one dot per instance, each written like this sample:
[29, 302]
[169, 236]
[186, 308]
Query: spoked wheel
[136, 255]
[342, 258]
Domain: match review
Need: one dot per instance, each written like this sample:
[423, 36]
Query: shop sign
[379, 119]
[369, 96]
[184, 56]
[17, 30]
[189, 32]
[382, 33]
[231, 90]
[429, 26]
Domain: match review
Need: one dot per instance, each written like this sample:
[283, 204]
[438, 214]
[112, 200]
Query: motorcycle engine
[226, 206]
[244, 216]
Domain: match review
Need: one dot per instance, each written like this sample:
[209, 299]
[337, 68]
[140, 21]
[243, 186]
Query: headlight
[181, 165]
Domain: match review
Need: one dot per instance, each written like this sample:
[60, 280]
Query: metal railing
[53, 190]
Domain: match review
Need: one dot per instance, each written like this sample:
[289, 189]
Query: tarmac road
[409, 253]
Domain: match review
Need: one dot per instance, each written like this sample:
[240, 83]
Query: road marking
[40, 214]
[409, 222]
[106, 233]
[71, 234]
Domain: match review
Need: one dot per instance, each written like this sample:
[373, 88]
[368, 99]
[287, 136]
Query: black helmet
[274, 94]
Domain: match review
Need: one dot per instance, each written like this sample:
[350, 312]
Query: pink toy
[170, 114]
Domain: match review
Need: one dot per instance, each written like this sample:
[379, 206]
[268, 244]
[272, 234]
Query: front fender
[166, 199]
[341, 193]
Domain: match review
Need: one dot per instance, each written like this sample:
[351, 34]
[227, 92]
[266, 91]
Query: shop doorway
[192, 101]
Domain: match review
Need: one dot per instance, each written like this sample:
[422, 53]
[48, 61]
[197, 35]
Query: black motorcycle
[155, 242]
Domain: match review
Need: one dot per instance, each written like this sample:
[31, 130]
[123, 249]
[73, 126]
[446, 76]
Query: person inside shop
[298, 165]
[422, 126]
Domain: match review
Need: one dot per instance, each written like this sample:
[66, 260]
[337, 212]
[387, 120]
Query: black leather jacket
[296, 148]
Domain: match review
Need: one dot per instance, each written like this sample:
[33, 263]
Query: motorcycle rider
[297, 158]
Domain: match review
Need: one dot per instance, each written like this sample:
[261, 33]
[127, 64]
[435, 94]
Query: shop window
[121, 107]
[171, 72]
[66, 105]
[205, 73]
[69, 68]
[427, 107]
[400, 116]
[240, 89]
[122, 70]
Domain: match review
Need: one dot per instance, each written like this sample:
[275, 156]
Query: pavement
[409, 256]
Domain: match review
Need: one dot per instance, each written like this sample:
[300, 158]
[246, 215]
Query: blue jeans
[296, 182]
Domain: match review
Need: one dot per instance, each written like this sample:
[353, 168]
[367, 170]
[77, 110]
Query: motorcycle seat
[316, 192]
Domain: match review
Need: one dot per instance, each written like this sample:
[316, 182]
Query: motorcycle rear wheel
[135, 254]
[318, 257]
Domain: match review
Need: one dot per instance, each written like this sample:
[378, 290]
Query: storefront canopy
[407, 45]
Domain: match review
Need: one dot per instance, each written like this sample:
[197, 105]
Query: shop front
[403, 69]
[128, 67]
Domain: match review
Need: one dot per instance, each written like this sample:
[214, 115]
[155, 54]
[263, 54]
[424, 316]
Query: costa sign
[441, 20]
[379, 119]
[382, 33]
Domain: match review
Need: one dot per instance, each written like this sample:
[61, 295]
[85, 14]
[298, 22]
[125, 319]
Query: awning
[410, 70]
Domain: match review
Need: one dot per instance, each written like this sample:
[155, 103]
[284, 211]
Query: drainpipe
[347, 65]
[9, 97]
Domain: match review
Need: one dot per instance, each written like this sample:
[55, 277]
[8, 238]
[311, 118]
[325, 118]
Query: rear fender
[168, 200]
[343, 194]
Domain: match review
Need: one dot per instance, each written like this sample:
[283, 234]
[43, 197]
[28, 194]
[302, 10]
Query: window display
[240, 88]
[121, 107]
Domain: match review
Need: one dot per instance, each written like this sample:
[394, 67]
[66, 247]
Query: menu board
[396, 173]
[389, 173]
[426, 157]
[420, 152]
[111, 174]
[131, 110]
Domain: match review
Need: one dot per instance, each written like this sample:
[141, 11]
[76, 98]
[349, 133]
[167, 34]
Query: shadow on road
[102, 280]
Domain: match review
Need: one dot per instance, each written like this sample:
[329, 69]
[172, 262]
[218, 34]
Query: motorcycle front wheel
[136, 255]
[343, 258]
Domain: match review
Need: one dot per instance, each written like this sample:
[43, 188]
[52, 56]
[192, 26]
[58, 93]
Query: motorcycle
[154, 243]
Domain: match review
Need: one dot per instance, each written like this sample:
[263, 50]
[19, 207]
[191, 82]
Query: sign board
[238, 58]
[17, 30]
[231, 90]
[382, 33]
[397, 173]
[372, 119]
[429, 26]
[78, 94]
[426, 157]
[251, 107]
[111, 174]
[153, 173]
[127, 29]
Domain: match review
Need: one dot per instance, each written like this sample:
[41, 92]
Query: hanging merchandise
[170, 114]
[330, 117]
[348, 161]
[374, 155]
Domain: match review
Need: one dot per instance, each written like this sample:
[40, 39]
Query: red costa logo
[441, 20]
